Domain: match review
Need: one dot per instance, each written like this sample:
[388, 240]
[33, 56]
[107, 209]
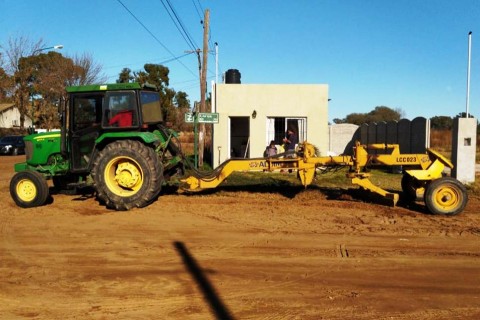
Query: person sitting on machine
[271, 150]
[122, 119]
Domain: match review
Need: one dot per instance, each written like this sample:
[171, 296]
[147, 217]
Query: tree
[463, 115]
[47, 75]
[182, 105]
[125, 76]
[181, 100]
[383, 113]
[84, 71]
[5, 85]
[17, 48]
[380, 113]
[356, 118]
[157, 75]
[441, 123]
[42, 78]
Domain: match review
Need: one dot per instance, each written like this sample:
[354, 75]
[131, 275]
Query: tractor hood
[39, 146]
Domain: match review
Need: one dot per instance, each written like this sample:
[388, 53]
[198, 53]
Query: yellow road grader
[423, 176]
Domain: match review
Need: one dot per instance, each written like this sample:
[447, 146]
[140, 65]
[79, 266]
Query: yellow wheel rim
[26, 190]
[447, 197]
[123, 176]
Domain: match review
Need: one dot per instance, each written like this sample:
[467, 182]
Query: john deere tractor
[112, 139]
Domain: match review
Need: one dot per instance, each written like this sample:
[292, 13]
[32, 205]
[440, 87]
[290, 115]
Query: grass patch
[382, 178]
[331, 179]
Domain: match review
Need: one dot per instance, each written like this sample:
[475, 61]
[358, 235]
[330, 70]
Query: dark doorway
[239, 137]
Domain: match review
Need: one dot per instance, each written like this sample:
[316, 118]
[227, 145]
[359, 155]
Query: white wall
[269, 100]
[8, 116]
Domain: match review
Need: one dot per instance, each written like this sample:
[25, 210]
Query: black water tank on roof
[232, 76]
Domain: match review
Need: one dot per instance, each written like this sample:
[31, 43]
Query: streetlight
[55, 47]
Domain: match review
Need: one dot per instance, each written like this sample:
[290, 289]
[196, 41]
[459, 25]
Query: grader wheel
[412, 188]
[446, 196]
[29, 189]
[127, 174]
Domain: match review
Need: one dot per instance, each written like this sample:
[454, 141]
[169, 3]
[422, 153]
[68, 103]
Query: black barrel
[232, 76]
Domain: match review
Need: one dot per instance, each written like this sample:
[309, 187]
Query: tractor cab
[99, 109]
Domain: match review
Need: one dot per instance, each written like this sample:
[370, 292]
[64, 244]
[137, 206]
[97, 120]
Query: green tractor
[112, 139]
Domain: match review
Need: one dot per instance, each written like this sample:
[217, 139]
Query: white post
[468, 72]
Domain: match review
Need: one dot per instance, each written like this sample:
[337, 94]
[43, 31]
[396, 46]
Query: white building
[10, 117]
[251, 115]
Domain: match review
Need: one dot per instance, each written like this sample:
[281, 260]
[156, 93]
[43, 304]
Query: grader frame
[445, 196]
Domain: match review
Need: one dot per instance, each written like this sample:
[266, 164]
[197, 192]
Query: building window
[277, 127]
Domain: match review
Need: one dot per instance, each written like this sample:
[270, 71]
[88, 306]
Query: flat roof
[105, 87]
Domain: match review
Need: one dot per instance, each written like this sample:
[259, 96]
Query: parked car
[13, 145]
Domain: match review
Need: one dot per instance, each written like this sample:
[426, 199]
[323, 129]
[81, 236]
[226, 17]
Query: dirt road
[235, 254]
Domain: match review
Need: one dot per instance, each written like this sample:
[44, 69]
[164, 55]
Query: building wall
[269, 100]
[10, 116]
[341, 137]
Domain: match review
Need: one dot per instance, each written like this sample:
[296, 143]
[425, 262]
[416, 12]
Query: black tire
[446, 196]
[127, 174]
[410, 185]
[29, 189]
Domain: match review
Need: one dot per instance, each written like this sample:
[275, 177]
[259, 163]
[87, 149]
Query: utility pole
[216, 62]
[203, 87]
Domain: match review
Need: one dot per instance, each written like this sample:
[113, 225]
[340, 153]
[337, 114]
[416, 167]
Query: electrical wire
[154, 37]
[179, 25]
[160, 62]
[196, 9]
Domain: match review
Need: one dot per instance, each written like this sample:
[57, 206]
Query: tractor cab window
[151, 109]
[120, 110]
[87, 110]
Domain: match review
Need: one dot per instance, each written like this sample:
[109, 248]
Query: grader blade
[368, 185]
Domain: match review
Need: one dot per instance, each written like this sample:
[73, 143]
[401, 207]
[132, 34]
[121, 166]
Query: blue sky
[407, 54]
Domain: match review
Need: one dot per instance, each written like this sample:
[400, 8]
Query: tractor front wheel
[29, 189]
[127, 174]
[446, 196]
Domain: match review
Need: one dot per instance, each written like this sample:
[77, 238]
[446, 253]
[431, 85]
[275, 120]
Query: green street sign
[189, 118]
[208, 117]
[203, 117]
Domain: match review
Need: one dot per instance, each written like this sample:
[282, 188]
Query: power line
[210, 41]
[201, 20]
[196, 9]
[154, 37]
[152, 61]
[179, 25]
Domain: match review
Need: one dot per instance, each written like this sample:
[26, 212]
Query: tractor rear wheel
[29, 189]
[127, 174]
[446, 196]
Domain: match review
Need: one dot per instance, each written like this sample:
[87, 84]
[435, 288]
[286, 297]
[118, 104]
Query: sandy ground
[236, 254]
